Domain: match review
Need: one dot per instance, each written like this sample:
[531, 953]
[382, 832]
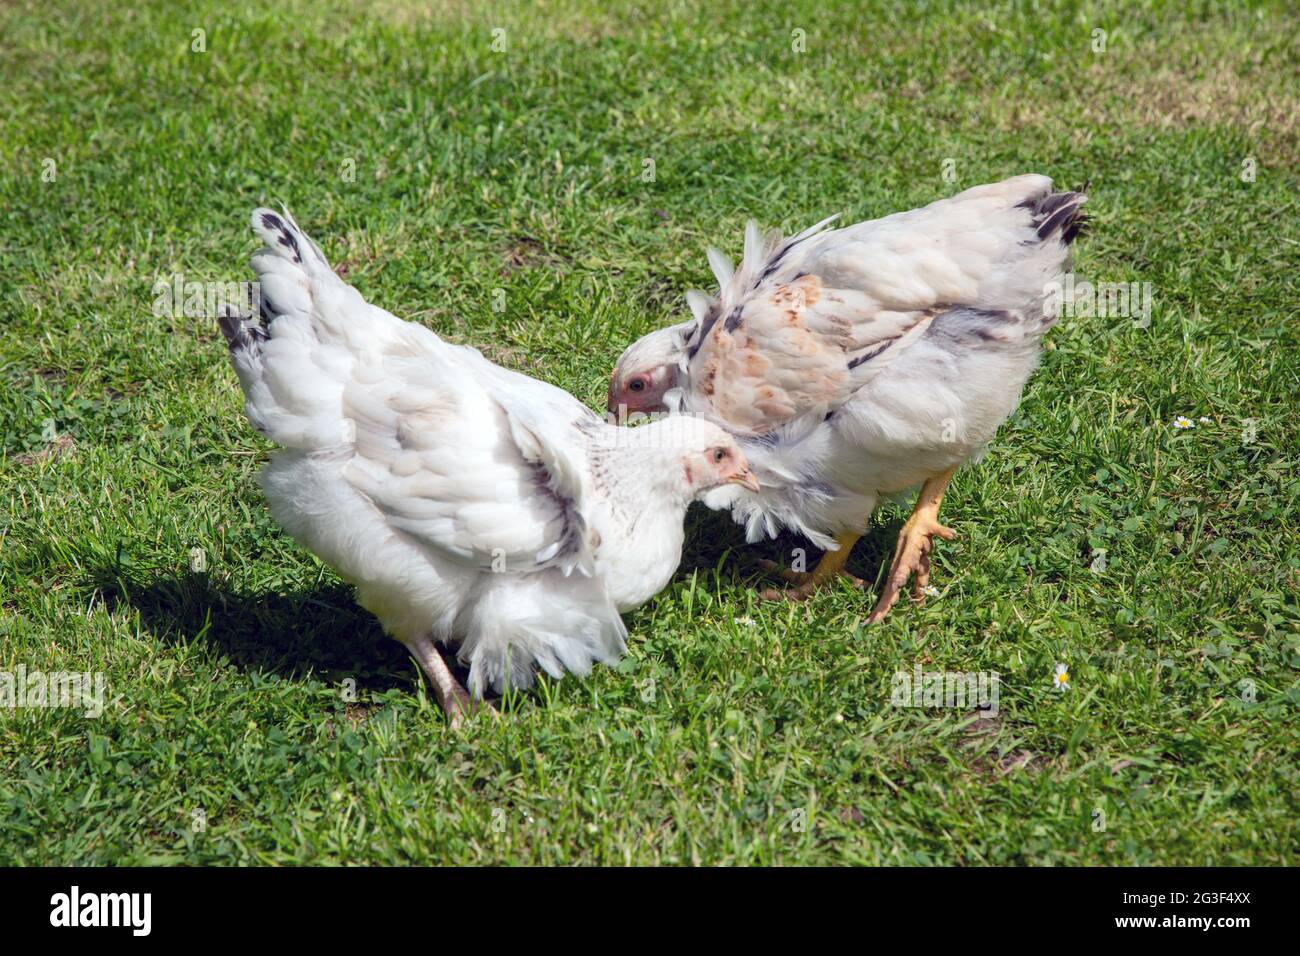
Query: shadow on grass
[710, 535]
[321, 634]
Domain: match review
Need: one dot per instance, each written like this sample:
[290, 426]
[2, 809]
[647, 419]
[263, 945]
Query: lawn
[547, 201]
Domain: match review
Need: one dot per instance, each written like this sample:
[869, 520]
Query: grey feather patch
[705, 328]
[239, 333]
[562, 551]
[868, 356]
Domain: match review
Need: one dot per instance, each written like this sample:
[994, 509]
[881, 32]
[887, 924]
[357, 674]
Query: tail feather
[243, 331]
[292, 382]
[284, 237]
[287, 267]
[246, 337]
[1057, 214]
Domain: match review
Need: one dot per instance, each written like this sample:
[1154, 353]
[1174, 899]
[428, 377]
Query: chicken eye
[637, 385]
[720, 455]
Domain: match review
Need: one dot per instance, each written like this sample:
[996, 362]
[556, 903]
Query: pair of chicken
[468, 503]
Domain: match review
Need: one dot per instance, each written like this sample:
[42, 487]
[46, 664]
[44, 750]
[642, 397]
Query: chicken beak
[745, 478]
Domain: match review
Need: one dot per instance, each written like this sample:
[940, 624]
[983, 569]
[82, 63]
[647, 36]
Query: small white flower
[1182, 422]
[1204, 420]
[745, 621]
[1061, 677]
[931, 591]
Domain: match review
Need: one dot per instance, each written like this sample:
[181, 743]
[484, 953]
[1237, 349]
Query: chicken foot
[915, 542]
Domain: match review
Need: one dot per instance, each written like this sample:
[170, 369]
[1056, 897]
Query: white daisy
[1183, 422]
[1061, 677]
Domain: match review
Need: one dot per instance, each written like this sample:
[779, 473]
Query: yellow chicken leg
[915, 542]
[830, 567]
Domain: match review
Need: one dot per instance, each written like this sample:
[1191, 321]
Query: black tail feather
[1058, 214]
[242, 331]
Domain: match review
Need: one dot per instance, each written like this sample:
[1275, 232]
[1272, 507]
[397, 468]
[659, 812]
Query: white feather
[720, 265]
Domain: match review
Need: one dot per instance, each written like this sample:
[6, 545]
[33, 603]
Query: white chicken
[465, 501]
[860, 362]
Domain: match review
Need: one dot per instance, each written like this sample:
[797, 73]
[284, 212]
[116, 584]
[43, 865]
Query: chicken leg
[454, 699]
[915, 542]
[828, 569]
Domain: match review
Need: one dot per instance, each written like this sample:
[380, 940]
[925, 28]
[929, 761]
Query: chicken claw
[915, 543]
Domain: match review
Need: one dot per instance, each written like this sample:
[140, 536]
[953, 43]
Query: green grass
[735, 731]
